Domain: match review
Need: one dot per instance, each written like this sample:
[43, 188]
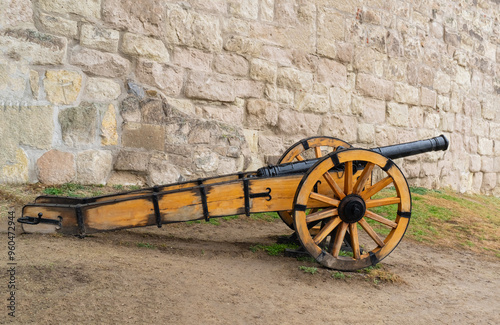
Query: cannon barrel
[393, 152]
[413, 148]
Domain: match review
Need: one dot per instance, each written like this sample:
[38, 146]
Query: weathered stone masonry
[152, 91]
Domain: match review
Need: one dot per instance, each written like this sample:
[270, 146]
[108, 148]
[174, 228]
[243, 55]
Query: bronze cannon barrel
[393, 152]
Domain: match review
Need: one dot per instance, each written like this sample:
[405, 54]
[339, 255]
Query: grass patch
[265, 216]
[211, 221]
[445, 218]
[273, 250]
[338, 275]
[146, 245]
[308, 269]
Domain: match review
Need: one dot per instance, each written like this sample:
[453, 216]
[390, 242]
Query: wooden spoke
[369, 230]
[368, 193]
[358, 187]
[326, 230]
[380, 219]
[314, 216]
[324, 199]
[348, 178]
[382, 202]
[353, 230]
[339, 238]
[299, 158]
[317, 151]
[334, 186]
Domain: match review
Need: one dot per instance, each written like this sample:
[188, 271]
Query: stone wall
[153, 91]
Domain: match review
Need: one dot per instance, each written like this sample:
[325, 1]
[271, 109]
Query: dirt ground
[207, 274]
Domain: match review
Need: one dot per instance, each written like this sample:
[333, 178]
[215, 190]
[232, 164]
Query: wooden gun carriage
[330, 201]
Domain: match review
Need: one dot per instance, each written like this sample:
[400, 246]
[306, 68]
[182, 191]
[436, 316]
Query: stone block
[370, 61]
[193, 59]
[33, 47]
[231, 64]
[267, 10]
[372, 111]
[103, 39]
[397, 114]
[100, 63]
[142, 17]
[487, 164]
[339, 126]
[295, 123]
[130, 160]
[428, 97]
[279, 95]
[294, 79]
[495, 130]
[35, 84]
[312, 102]
[426, 76]
[16, 13]
[448, 122]
[153, 111]
[243, 45]
[442, 83]
[102, 89]
[125, 178]
[340, 100]
[332, 73]
[443, 103]
[261, 113]
[165, 77]
[248, 9]
[244, 88]
[281, 56]
[59, 25]
[109, 133]
[489, 182]
[406, 94]
[485, 146]
[190, 28]
[374, 87]
[263, 70]
[150, 137]
[162, 171]
[79, 124]
[432, 120]
[394, 69]
[93, 166]
[87, 8]
[366, 133]
[62, 86]
[17, 170]
[144, 47]
[206, 160]
[210, 86]
[130, 109]
[56, 167]
[330, 30]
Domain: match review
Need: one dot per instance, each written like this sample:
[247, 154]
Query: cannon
[328, 192]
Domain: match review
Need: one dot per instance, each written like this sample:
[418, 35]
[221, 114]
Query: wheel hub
[352, 208]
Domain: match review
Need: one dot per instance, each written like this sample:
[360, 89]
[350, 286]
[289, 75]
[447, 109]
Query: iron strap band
[79, 220]
[246, 193]
[388, 165]
[335, 160]
[203, 195]
[305, 144]
[157, 209]
[300, 207]
[373, 258]
[404, 214]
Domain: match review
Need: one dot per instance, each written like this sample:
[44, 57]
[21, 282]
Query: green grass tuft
[308, 269]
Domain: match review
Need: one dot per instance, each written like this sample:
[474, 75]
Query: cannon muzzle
[393, 152]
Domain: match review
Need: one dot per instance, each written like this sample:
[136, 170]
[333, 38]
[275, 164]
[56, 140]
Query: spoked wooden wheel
[352, 213]
[309, 148]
